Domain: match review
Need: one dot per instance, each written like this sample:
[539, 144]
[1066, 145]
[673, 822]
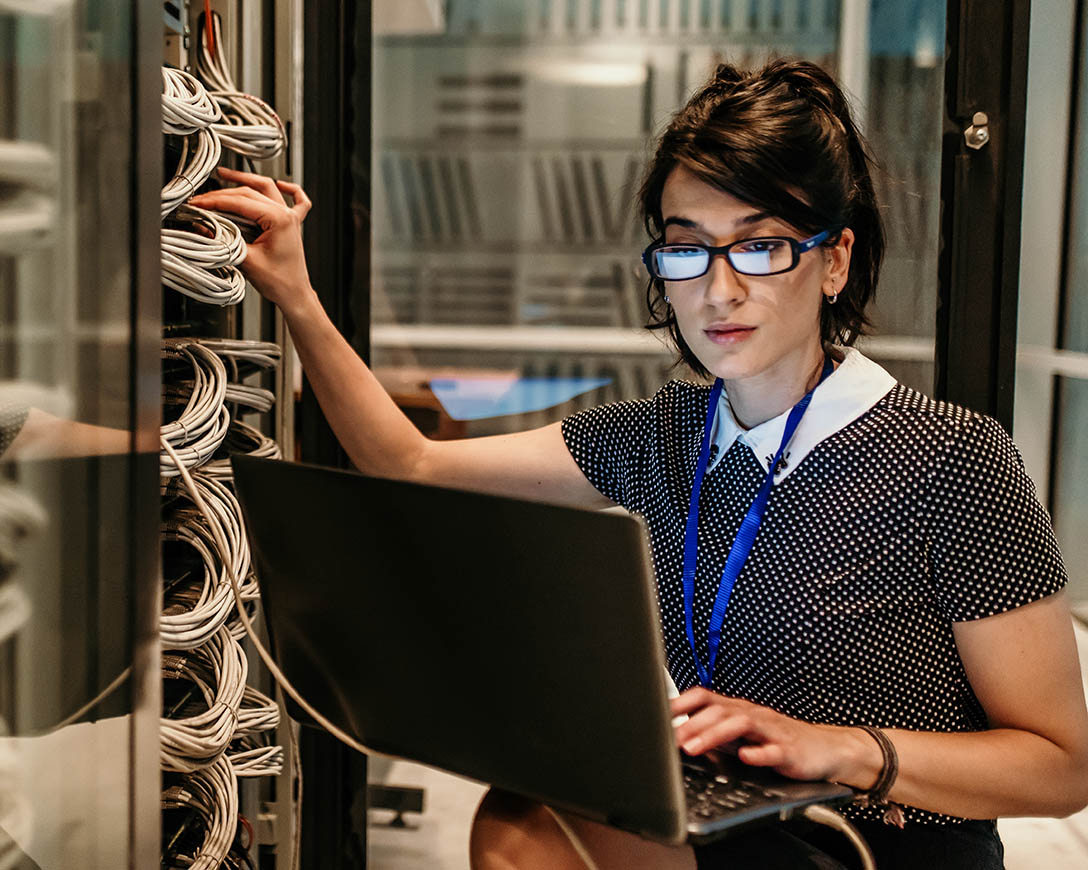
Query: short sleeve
[992, 544]
[12, 418]
[608, 441]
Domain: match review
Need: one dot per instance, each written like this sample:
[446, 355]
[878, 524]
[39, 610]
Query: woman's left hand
[763, 737]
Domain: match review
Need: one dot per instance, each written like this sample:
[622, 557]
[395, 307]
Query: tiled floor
[438, 839]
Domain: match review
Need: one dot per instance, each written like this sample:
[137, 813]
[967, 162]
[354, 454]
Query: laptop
[512, 642]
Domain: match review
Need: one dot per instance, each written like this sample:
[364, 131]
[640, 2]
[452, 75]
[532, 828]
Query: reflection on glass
[1069, 473]
[1051, 408]
[505, 236]
[66, 580]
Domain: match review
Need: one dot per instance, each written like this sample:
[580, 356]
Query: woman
[899, 606]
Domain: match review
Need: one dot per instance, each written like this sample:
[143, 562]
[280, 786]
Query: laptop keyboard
[710, 793]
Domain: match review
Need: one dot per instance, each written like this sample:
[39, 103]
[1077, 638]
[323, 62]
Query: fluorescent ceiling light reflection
[589, 73]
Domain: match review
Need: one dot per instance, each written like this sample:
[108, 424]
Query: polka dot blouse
[915, 515]
[12, 418]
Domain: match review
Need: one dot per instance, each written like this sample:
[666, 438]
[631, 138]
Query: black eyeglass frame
[796, 247]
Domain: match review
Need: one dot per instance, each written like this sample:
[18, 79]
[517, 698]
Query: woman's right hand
[275, 262]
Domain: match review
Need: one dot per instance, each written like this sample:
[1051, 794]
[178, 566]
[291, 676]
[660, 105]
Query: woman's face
[744, 326]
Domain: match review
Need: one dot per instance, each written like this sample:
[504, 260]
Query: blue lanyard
[746, 535]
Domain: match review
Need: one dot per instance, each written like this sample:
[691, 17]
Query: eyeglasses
[766, 256]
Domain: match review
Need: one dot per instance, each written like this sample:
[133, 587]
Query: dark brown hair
[782, 140]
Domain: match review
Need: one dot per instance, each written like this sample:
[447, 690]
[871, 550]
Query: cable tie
[229, 709]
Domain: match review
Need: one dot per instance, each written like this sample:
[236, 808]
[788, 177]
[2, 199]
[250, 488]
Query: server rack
[254, 44]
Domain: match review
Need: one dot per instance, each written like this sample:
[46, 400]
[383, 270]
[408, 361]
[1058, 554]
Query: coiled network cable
[252, 752]
[200, 154]
[242, 439]
[242, 359]
[197, 729]
[189, 111]
[250, 126]
[213, 793]
[255, 758]
[186, 104]
[194, 611]
[201, 426]
[201, 252]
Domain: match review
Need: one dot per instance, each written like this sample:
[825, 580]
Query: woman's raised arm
[377, 436]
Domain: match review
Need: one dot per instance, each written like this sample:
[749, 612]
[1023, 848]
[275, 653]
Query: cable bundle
[255, 756]
[242, 359]
[215, 728]
[203, 422]
[252, 398]
[212, 795]
[200, 155]
[201, 251]
[194, 611]
[252, 753]
[250, 126]
[199, 726]
[241, 439]
[188, 111]
[186, 104]
[257, 713]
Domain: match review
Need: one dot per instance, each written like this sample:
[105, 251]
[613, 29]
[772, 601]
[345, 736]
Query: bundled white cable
[194, 612]
[245, 440]
[186, 104]
[250, 126]
[213, 792]
[218, 671]
[203, 422]
[200, 155]
[257, 713]
[242, 358]
[250, 397]
[266, 657]
[239, 353]
[201, 251]
[254, 756]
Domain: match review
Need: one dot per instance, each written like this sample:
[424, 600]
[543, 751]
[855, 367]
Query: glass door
[506, 286]
[1052, 354]
[78, 498]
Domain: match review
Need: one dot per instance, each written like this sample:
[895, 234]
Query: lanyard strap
[746, 535]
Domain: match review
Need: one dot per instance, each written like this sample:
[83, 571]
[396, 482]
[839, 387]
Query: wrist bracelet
[889, 769]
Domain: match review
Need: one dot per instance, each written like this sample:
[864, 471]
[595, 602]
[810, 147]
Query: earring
[667, 302]
[833, 298]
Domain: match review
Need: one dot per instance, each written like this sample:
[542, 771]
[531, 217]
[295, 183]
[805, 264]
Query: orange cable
[209, 33]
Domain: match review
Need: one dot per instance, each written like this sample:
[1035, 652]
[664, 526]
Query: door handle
[978, 134]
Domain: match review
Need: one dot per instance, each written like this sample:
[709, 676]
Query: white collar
[852, 389]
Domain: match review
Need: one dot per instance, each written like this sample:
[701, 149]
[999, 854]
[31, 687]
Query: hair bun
[727, 74]
[811, 82]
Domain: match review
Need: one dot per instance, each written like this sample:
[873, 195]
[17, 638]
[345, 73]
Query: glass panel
[1069, 368]
[66, 476]
[505, 238]
[1051, 408]
[903, 113]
